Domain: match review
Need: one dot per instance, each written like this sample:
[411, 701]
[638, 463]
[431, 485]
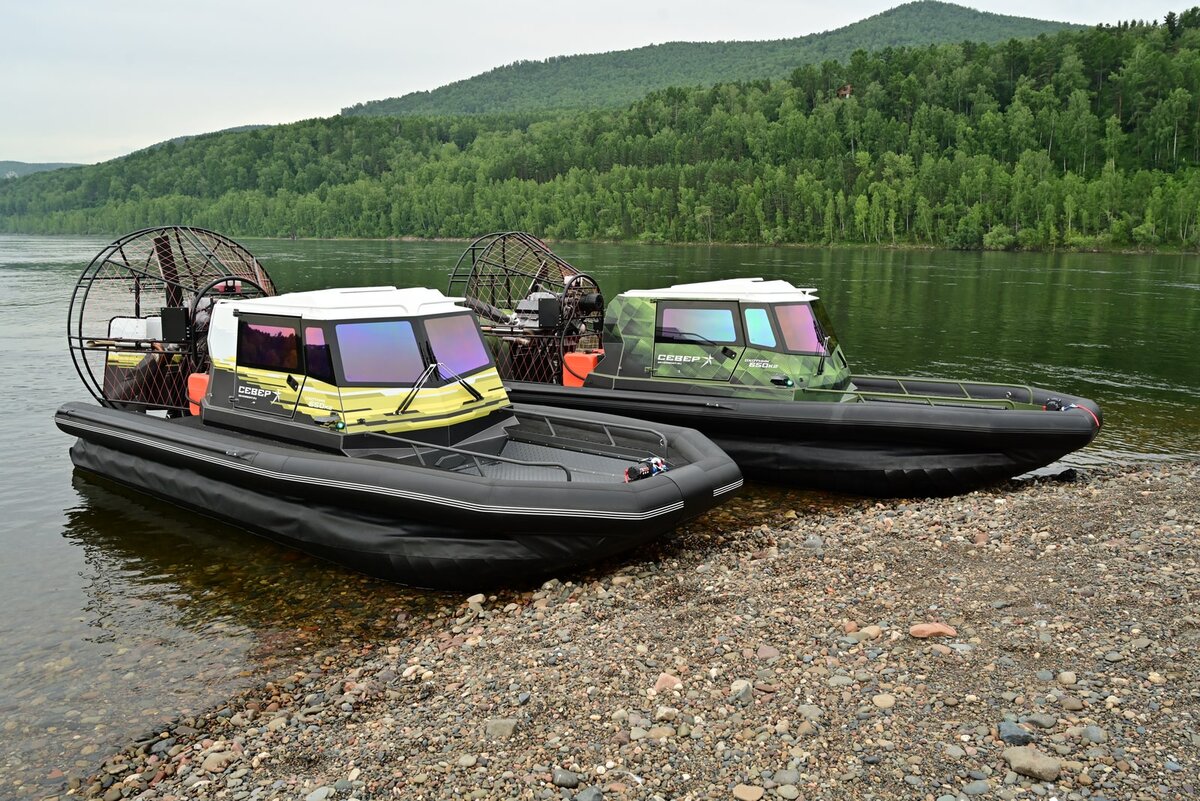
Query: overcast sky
[88, 80]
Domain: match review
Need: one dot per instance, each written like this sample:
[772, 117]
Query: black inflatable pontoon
[367, 426]
[756, 366]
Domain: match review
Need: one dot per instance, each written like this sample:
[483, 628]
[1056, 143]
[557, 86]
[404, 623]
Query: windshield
[456, 344]
[799, 328]
[379, 352]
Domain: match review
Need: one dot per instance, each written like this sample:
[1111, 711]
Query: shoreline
[850, 246]
[765, 661]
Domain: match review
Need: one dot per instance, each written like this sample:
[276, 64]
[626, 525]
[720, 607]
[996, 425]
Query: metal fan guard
[147, 281]
[498, 271]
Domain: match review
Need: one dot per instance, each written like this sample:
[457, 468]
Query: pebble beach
[1034, 640]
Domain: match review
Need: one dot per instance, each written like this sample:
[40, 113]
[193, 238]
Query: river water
[121, 612]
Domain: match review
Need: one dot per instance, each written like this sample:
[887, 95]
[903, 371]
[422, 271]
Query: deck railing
[926, 398]
[421, 449]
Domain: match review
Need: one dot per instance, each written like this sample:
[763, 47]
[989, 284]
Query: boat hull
[417, 526]
[878, 449]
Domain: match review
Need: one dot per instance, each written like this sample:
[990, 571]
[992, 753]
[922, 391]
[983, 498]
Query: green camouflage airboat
[756, 365]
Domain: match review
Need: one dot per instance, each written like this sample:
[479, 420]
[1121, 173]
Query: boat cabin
[347, 361]
[736, 333]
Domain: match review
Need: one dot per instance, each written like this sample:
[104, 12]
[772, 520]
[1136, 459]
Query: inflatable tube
[415, 525]
[877, 448]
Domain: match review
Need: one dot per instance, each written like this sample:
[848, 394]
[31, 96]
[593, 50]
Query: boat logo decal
[258, 392]
[676, 358]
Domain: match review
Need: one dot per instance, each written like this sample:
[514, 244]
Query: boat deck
[505, 458]
[516, 461]
[583, 466]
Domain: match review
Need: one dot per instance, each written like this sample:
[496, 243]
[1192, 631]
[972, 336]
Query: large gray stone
[1043, 720]
[1028, 761]
[786, 776]
[565, 778]
[500, 728]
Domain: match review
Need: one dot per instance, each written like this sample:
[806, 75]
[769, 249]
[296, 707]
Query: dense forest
[1081, 139]
[618, 78]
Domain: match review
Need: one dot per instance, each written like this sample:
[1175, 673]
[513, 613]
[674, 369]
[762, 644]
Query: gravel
[727, 651]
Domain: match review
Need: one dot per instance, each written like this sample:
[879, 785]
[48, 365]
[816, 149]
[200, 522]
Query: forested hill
[621, 77]
[1080, 139]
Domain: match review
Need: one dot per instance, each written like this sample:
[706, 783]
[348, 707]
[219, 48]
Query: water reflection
[217, 578]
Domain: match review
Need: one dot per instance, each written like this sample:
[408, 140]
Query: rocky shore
[1034, 640]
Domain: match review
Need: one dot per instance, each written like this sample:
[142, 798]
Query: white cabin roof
[749, 290]
[352, 303]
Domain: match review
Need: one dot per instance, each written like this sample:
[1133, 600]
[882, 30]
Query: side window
[758, 328]
[694, 325]
[318, 361]
[268, 346]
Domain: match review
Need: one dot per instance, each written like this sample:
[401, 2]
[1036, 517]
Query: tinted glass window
[268, 347]
[824, 324]
[379, 352]
[758, 328]
[318, 361]
[697, 326]
[456, 344]
[799, 328]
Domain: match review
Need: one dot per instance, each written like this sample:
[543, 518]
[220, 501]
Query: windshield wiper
[436, 365]
[462, 382]
[416, 387]
[428, 357]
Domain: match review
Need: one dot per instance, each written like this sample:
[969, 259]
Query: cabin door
[697, 341]
[270, 371]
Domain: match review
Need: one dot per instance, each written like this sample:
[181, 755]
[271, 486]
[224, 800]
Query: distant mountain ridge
[179, 140]
[15, 169]
[620, 77]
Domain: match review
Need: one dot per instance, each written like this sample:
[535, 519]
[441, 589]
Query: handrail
[110, 344]
[962, 385]
[906, 397]
[417, 445]
[662, 439]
